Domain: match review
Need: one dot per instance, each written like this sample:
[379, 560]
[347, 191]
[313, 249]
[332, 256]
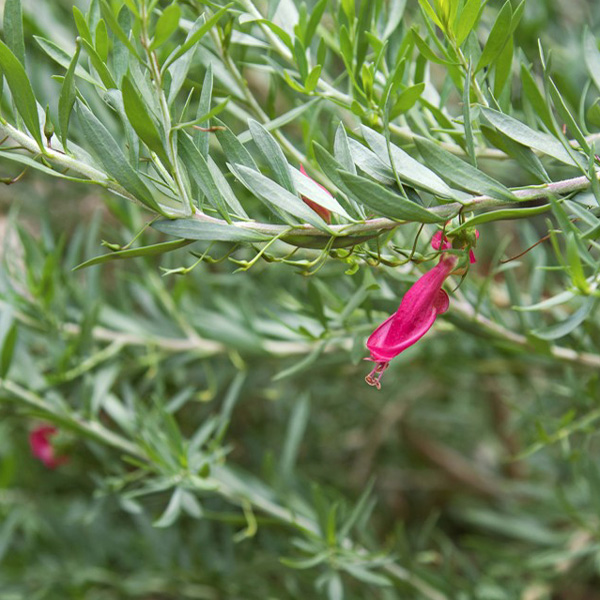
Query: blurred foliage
[222, 443]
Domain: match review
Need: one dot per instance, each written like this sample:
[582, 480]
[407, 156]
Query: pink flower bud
[320, 210]
[41, 447]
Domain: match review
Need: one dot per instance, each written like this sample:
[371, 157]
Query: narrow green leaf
[113, 23]
[575, 265]
[64, 59]
[533, 94]
[428, 10]
[567, 117]
[12, 28]
[467, 20]
[557, 300]
[386, 203]
[313, 78]
[515, 130]
[280, 121]
[522, 155]
[503, 67]
[278, 31]
[467, 119]
[568, 325]
[406, 99]
[199, 171]
[108, 151]
[504, 214]
[191, 229]
[426, 51]
[25, 159]
[369, 162]
[362, 573]
[82, 25]
[301, 365]
[99, 65]
[197, 36]
[460, 173]
[341, 150]
[202, 138]
[67, 99]
[173, 510]
[274, 195]
[408, 168]
[22, 92]
[498, 37]
[316, 15]
[225, 189]
[141, 121]
[296, 428]
[591, 56]
[273, 155]
[234, 150]
[312, 190]
[166, 25]
[102, 41]
[8, 341]
[360, 511]
[153, 250]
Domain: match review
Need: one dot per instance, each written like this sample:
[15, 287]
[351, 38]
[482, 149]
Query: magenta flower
[320, 210]
[41, 447]
[417, 312]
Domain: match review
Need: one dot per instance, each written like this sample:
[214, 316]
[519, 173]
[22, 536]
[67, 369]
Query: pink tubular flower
[417, 312]
[320, 210]
[41, 447]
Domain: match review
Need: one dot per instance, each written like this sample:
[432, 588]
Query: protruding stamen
[374, 377]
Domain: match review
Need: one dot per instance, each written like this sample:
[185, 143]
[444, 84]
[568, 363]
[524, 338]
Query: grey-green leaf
[63, 58]
[202, 138]
[273, 155]
[408, 168]
[460, 173]
[591, 55]
[568, 325]
[112, 158]
[22, 92]
[67, 99]
[274, 195]
[192, 40]
[12, 27]
[191, 229]
[312, 190]
[166, 25]
[523, 134]
[141, 121]
[153, 250]
[386, 203]
[8, 340]
[234, 150]
[198, 169]
[498, 37]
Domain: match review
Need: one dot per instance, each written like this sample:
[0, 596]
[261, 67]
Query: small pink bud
[320, 210]
[41, 447]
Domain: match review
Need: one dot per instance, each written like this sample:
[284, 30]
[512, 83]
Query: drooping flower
[42, 448]
[320, 210]
[421, 305]
[417, 312]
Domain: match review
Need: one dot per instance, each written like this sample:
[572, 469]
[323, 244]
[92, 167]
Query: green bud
[48, 126]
